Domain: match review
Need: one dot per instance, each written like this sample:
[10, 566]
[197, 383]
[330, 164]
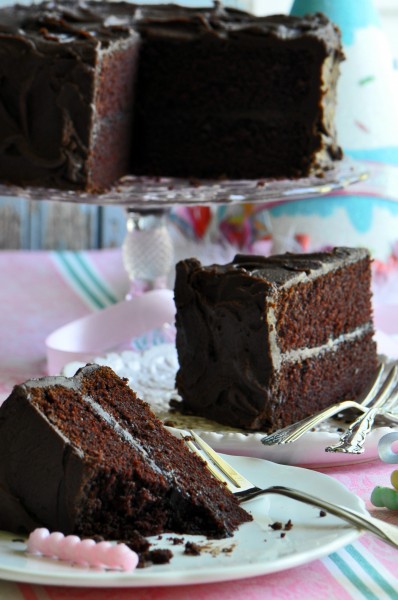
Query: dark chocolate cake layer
[91, 91]
[263, 342]
[84, 455]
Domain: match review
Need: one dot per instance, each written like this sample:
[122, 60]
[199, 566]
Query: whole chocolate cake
[84, 455]
[264, 342]
[91, 91]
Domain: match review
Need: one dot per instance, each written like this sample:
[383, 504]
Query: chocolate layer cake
[91, 91]
[84, 455]
[264, 342]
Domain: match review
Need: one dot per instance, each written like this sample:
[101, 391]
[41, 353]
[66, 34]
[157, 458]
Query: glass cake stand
[148, 247]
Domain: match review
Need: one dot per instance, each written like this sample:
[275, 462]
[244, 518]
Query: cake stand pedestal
[148, 247]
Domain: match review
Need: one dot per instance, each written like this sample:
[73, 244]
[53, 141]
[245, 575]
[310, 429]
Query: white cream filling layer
[278, 358]
[121, 431]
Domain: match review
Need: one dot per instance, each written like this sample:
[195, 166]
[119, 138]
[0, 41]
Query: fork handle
[293, 432]
[353, 439]
[384, 531]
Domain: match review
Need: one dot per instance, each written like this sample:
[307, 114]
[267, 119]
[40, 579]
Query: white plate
[255, 549]
[151, 373]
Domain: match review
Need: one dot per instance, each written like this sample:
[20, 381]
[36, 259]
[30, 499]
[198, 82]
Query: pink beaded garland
[84, 552]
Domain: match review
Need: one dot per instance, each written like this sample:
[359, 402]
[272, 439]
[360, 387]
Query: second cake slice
[263, 342]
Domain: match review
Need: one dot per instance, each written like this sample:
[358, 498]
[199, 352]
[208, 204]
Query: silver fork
[293, 432]
[353, 439]
[243, 489]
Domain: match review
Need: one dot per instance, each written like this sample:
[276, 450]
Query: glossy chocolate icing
[42, 475]
[281, 269]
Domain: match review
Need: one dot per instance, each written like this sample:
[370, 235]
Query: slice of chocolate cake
[84, 455]
[263, 342]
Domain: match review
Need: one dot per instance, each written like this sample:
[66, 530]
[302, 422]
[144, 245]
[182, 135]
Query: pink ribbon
[104, 330]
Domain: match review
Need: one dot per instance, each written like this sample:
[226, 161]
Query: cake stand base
[147, 250]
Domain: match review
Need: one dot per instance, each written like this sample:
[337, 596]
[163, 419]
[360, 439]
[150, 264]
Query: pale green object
[384, 497]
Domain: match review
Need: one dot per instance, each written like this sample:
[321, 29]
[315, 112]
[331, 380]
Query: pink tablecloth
[39, 292]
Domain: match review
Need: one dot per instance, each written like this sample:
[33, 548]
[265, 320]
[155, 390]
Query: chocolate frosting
[279, 269]
[60, 22]
[42, 475]
[175, 20]
[282, 268]
[29, 494]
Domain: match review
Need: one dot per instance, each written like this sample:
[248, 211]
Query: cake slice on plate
[84, 455]
[264, 342]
